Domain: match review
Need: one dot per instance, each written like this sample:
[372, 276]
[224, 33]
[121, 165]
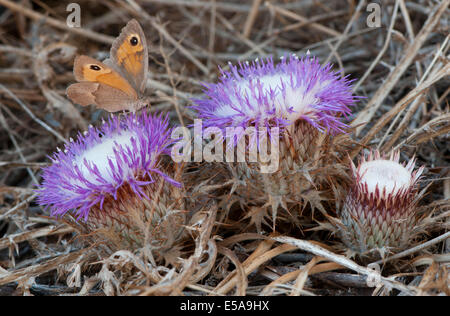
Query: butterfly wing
[129, 55]
[101, 85]
[87, 69]
[119, 82]
[102, 95]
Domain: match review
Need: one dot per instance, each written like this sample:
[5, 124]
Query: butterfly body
[118, 83]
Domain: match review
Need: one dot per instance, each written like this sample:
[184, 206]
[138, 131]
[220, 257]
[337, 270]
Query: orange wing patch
[96, 73]
[130, 54]
[88, 69]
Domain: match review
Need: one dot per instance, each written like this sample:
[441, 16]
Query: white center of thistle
[293, 97]
[100, 153]
[386, 174]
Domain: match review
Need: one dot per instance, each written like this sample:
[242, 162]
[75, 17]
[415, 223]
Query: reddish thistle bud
[379, 211]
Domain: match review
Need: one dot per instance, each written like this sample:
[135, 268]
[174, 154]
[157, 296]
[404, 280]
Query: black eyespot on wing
[134, 41]
[95, 67]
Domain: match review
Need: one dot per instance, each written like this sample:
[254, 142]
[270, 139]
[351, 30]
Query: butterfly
[117, 83]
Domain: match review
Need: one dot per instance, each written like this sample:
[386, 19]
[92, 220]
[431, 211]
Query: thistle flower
[114, 179]
[264, 94]
[302, 98]
[379, 211]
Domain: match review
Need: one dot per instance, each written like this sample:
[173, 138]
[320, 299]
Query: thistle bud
[379, 211]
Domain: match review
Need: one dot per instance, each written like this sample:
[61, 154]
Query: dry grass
[402, 69]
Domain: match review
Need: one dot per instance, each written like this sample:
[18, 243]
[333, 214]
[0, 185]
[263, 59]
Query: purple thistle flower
[102, 160]
[263, 94]
[294, 100]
